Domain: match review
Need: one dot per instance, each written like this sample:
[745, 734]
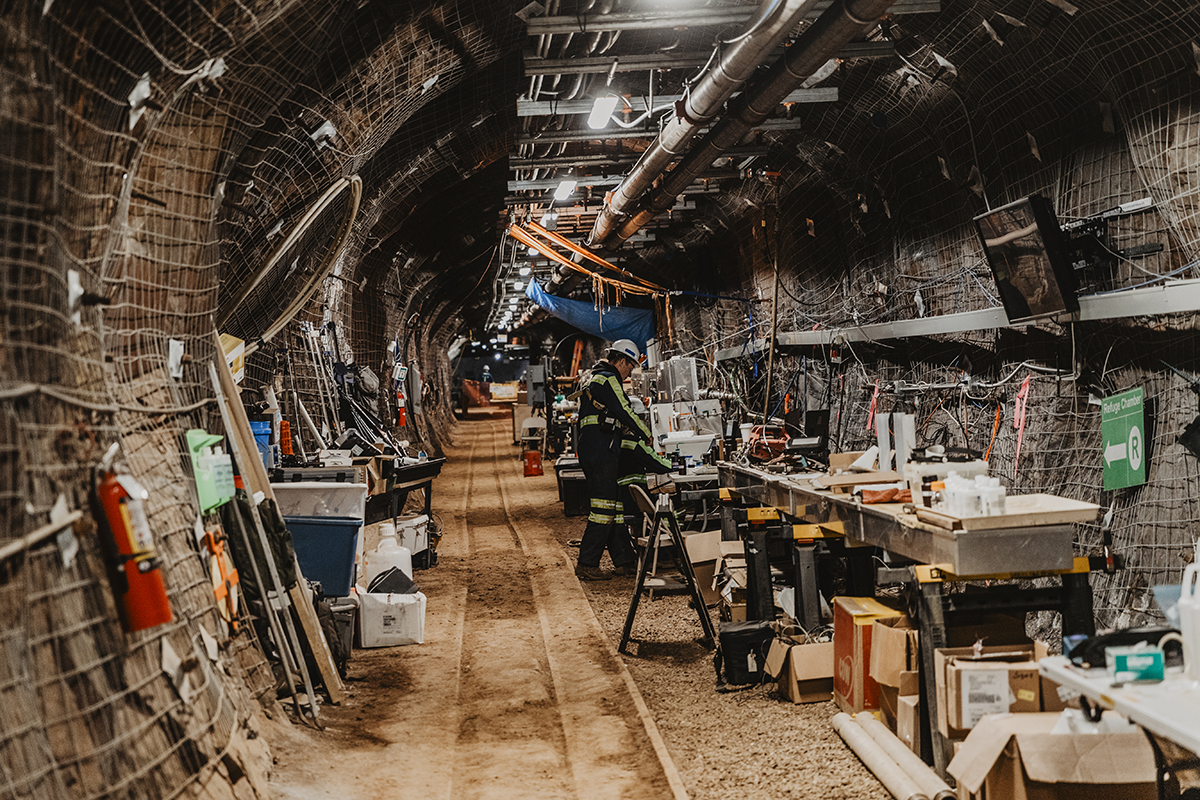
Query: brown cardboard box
[853, 687]
[1016, 756]
[840, 461]
[704, 550]
[1050, 699]
[1004, 678]
[894, 651]
[908, 721]
[804, 672]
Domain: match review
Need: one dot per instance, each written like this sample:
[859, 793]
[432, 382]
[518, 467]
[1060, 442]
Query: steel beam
[587, 135]
[515, 162]
[681, 18]
[690, 60]
[544, 108]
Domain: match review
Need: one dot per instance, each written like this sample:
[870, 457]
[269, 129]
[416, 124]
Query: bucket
[745, 428]
[533, 463]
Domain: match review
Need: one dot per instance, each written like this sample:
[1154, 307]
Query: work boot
[626, 570]
[586, 573]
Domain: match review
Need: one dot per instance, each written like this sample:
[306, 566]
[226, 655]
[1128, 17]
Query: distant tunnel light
[565, 189]
[518, 285]
[523, 271]
[602, 110]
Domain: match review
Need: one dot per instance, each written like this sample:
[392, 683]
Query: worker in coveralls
[605, 420]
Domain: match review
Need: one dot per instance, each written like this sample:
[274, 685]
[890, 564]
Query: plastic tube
[908, 761]
[894, 779]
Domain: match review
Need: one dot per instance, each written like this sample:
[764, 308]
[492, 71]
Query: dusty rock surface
[516, 693]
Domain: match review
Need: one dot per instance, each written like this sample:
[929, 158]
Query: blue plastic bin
[325, 548]
[262, 438]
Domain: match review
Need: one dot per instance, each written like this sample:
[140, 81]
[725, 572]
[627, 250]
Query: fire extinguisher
[137, 580]
[401, 410]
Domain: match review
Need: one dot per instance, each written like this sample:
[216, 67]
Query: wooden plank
[314, 634]
[256, 476]
[1023, 510]
[859, 478]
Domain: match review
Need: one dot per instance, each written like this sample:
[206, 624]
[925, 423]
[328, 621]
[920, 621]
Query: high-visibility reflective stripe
[592, 420]
[628, 444]
[602, 519]
[602, 503]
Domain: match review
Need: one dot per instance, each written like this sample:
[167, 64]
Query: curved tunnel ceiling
[928, 118]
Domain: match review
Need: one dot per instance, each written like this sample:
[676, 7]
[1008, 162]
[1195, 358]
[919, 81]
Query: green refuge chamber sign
[1122, 428]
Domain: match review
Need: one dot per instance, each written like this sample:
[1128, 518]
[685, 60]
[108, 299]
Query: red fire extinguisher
[137, 580]
[401, 410]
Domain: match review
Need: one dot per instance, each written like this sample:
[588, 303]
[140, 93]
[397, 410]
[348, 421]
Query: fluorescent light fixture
[602, 110]
[518, 285]
[565, 189]
[474, 344]
[492, 340]
[523, 271]
[533, 251]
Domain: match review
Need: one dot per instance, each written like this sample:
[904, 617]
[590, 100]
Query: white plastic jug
[388, 554]
[1189, 622]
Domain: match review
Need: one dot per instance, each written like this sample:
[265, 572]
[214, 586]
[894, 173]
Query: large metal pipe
[703, 103]
[840, 23]
[907, 760]
[894, 779]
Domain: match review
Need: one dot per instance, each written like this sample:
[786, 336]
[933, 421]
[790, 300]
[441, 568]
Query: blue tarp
[617, 322]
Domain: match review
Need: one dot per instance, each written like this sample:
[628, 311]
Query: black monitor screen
[1027, 253]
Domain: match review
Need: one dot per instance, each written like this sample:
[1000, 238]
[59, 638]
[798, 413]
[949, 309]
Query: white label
[983, 692]
[751, 662]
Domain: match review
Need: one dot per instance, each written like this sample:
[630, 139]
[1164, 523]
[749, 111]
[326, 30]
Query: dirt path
[516, 692]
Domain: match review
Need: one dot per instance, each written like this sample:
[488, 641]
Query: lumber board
[858, 479]
[314, 634]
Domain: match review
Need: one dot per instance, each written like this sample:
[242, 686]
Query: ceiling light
[565, 189]
[602, 110]
[497, 356]
[518, 285]
[523, 271]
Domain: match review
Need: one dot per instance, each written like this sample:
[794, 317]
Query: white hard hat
[626, 347]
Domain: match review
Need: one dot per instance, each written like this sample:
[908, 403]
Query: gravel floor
[747, 744]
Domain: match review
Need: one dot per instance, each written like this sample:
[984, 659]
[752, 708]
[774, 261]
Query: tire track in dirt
[612, 747]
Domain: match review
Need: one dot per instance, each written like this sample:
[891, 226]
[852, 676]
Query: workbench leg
[760, 604]
[932, 626]
[808, 599]
[1078, 617]
[729, 523]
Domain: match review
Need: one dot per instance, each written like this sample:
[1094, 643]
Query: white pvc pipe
[311, 425]
[908, 761]
[894, 779]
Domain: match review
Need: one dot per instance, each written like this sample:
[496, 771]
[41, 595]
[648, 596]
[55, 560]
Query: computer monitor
[1028, 254]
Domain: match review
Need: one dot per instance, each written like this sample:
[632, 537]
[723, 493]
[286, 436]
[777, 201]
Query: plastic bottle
[387, 554]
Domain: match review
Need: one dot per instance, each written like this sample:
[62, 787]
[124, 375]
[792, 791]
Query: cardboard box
[895, 656]
[704, 550]
[1003, 678]
[1016, 756]
[842, 461]
[908, 721]
[853, 621]
[804, 672]
[1050, 699]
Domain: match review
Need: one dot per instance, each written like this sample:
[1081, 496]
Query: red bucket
[533, 463]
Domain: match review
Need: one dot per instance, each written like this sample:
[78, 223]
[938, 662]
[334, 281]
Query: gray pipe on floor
[909, 761]
[894, 779]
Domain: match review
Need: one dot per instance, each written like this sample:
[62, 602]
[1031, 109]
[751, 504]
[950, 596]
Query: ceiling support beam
[682, 18]
[587, 135]
[602, 64]
[544, 108]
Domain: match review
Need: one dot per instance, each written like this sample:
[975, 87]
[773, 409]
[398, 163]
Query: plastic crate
[317, 499]
[325, 548]
[576, 502]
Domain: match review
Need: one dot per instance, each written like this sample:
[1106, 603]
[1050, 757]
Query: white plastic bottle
[387, 554]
